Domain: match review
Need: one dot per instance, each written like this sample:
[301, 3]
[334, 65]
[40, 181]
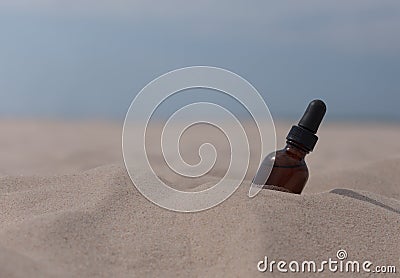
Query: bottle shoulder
[284, 158]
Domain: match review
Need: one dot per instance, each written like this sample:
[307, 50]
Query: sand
[69, 209]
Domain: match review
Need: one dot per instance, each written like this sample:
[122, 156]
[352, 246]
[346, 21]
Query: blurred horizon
[88, 59]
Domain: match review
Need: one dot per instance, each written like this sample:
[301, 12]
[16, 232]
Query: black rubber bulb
[313, 116]
[304, 132]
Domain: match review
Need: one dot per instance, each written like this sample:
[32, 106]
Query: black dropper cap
[304, 132]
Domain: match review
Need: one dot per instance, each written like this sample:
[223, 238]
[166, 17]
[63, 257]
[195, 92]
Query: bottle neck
[296, 149]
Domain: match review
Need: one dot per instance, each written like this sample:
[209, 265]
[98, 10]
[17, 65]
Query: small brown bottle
[289, 170]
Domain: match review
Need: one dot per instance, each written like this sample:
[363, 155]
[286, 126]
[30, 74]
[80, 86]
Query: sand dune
[94, 223]
[97, 224]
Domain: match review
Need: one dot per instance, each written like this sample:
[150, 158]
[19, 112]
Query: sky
[88, 59]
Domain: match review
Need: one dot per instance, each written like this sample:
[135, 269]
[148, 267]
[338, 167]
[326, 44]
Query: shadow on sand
[358, 196]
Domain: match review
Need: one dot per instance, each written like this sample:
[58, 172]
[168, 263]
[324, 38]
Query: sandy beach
[69, 209]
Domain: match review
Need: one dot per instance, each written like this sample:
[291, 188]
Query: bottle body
[289, 170]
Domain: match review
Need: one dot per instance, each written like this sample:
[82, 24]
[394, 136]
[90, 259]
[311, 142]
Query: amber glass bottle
[289, 170]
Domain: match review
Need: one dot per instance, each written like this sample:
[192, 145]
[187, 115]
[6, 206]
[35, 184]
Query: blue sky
[90, 58]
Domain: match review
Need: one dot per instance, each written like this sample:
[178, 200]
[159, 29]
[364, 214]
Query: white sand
[69, 220]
